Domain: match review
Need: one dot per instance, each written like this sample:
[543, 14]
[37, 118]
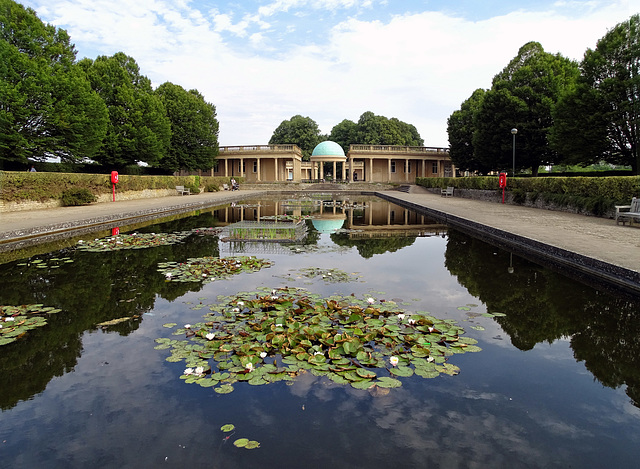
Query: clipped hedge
[619, 189]
[26, 186]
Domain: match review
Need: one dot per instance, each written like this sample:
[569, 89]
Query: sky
[261, 62]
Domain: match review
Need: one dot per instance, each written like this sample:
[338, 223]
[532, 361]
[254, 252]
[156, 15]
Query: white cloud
[416, 67]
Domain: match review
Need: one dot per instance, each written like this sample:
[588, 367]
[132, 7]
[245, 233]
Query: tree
[47, 107]
[598, 118]
[344, 134]
[460, 128]
[194, 129]
[523, 96]
[375, 130]
[301, 131]
[139, 129]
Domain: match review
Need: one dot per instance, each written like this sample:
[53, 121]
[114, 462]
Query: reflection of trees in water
[95, 288]
[543, 306]
[368, 247]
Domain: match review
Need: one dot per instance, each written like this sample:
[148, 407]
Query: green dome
[328, 148]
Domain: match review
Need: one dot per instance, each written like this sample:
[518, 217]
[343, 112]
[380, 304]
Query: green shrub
[194, 188]
[519, 196]
[211, 188]
[77, 196]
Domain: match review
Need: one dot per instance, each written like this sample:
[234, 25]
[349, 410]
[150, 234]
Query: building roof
[328, 148]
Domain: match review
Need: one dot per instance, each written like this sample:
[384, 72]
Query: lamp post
[514, 131]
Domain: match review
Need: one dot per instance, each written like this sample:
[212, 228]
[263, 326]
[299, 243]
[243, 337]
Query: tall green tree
[47, 107]
[598, 119]
[138, 129]
[344, 134]
[194, 129]
[460, 129]
[301, 131]
[522, 96]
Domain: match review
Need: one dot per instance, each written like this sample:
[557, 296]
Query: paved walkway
[597, 246]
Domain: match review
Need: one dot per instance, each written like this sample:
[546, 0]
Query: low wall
[52, 203]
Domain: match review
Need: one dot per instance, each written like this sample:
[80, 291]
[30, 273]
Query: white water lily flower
[199, 371]
[168, 275]
[188, 371]
[210, 336]
[401, 316]
[274, 297]
[187, 326]
[235, 310]
[412, 321]
[393, 361]
[430, 359]
[431, 329]
[80, 241]
[240, 303]
[249, 366]
[263, 354]
[318, 353]
[370, 301]
[9, 319]
[204, 275]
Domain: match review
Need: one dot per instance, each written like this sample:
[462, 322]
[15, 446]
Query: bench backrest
[635, 205]
[179, 188]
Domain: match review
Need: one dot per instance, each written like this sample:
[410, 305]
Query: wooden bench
[628, 213]
[225, 187]
[182, 191]
[448, 192]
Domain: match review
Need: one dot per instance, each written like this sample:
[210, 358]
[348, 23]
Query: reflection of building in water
[370, 218]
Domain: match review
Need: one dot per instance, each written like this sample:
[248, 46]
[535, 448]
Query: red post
[114, 181]
[502, 182]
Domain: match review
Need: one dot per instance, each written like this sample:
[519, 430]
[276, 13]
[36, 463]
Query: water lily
[318, 353]
[187, 326]
[274, 297]
[235, 310]
[168, 275]
[9, 319]
[393, 361]
[240, 303]
[210, 335]
[263, 354]
[249, 366]
[199, 370]
[400, 316]
[412, 321]
[431, 329]
[370, 301]
[204, 275]
[188, 371]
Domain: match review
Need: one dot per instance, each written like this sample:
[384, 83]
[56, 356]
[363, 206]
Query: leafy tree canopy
[598, 118]
[522, 96]
[460, 127]
[301, 131]
[194, 129]
[47, 107]
[139, 129]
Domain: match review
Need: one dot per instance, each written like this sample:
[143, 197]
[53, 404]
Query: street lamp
[514, 131]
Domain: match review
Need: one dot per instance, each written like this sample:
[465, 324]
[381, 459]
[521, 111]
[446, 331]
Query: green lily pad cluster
[262, 338]
[208, 269]
[240, 442]
[53, 263]
[132, 241]
[327, 275]
[16, 321]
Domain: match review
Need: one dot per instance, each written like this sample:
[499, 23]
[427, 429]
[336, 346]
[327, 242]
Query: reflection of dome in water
[327, 225]
[328, 148]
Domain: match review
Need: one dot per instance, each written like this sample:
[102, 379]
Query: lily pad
[346, 339]
[228, 427]
[241, 442]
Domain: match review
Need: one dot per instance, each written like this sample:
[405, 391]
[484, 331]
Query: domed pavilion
[328, 152]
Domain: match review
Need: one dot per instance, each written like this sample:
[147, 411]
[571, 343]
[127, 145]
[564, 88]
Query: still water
[557, 383]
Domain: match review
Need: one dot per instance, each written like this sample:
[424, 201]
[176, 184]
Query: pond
[422, 347]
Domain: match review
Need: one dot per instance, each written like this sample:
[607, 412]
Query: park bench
[182, 191]
[628, 213]
[448, 192]
[225, 187]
